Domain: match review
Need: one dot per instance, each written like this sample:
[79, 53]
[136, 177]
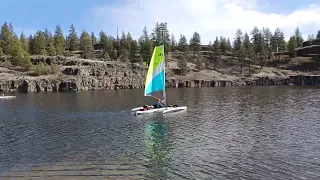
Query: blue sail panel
[157, 84]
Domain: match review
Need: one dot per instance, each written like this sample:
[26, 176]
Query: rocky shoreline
[84, 83]
[81, 75]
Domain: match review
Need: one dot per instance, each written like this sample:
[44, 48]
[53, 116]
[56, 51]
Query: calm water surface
[226, 133]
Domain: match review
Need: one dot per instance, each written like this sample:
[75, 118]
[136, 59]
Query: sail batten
[155, 80]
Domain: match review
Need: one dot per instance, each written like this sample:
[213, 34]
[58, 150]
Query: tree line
[256, 44]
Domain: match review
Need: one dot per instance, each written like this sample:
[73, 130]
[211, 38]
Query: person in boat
[158, 104]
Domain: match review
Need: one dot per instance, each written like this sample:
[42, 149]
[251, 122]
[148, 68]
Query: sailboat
[155, 85]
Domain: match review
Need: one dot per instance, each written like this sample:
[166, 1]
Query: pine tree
[146, 46]
[318, 35]
[248, 50]
[292, 43]
[183, 65]
[161, 36]
[238, 47]
[199, 63]
[51, 50]
[106, 44]
[86, 47]
[24, 42]
[94, 39]
[224, 45]
[183, 44]
[6, 36]
[134, 48]
[195, 42]
[310, 37]
[39, 43]
[59, 41]
[19, 56]
[1, 53]
[298, 36]
[73, 40]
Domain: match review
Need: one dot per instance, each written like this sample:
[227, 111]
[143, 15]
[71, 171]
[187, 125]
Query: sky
[210, 18]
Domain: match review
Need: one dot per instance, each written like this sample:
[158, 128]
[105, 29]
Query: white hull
[7, 97]
[174, 109]
[165, 110]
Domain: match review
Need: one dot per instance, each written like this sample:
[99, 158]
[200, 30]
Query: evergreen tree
[310, 37]
[248, 50]
[59, 41]
[267, 36]
[292, 43]
[106, 44]
[86, 47]
[19, 56]
[51, 50]
[134, 48]
[6, 36]
[298, 36]
[224, 45]
[238, 47]
[39, 43]
[229, 47]
[161, 36]
[1, 53]
[183, 44]
[173, 41]
[195, 42]
[183, 65]
[24, 42]
[146, 46]
[94, 39]
[199, 63]
[72, 39]
[318, 35]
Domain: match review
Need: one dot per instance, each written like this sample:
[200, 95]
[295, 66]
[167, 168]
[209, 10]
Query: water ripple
[226, 133]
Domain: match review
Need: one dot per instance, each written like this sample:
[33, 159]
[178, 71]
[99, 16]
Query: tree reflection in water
[157, 148]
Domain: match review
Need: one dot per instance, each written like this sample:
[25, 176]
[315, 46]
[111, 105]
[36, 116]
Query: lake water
[226, 133]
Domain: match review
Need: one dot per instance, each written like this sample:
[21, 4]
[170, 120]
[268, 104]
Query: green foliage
[183, 65]
[6, 36]
[146, 46]
[106, 43]
[199, 63]
[72, 39]
[124, 55]
[24, 42]
[195, 42]
[114, 54]
[161, 36]
[292, 43]
[310, 37]
[94, 39]
[59, 41]
[42, 69]
[298, 36]
[19, 57]
[318, 35]
[86, 47]
[1, 52]
[183, 43]
[39, 43]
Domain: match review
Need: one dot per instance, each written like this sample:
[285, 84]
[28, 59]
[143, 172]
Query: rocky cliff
[80, 74]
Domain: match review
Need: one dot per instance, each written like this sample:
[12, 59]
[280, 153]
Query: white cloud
[210, 18]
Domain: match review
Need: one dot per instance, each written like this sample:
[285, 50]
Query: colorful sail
[155, 80]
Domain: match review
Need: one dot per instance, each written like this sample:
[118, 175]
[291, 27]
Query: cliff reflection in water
[157, 147]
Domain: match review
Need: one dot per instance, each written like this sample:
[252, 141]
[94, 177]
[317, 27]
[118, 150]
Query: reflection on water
[226, 133]
[157, 148]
